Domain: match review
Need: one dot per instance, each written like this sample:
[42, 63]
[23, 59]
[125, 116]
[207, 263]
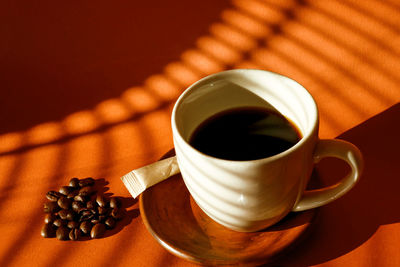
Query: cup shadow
[350, 221]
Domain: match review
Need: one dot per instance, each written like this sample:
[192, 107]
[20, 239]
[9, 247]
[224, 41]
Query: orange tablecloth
[87, 89]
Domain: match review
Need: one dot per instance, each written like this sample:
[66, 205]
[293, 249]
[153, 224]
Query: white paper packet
[140, 179]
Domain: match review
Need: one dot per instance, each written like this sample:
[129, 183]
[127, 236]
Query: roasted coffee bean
[74, 234]
[91, 204]
[71, 215]
[50, 207]
[85, 212]
[74, 182]
[85, 215]
[95, 221]
[77, 205]
[118, 213]
[85, 227]
[115, 202]
[86, 182]
[64, 203]
[80, 198]
[102, 218]
[81, 210]
[48, 230]
[98, 230]
[63, 214]
[53, 195]
[60, 222]
[73, 194]
[86, 191]
[65, 190]
[50, 217]
[74, 211]
[102, 210]
[101, 201]
[110, 223]
[72, 224]
[62, 233]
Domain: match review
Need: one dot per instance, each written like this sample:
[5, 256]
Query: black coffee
[245, 134]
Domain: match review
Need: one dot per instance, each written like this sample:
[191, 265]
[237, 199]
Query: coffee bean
[115, 202]
[60, 222]
[102, 210]
[65, 190]
[110, 223]
[48, 230]
[86, 215]
[80, 198]
[73, 194]
[53, 195]
[81, 210]
[63, 214]
[71, 215]
[64, 202]
[73, 212]
[101, 201]
[85, 212]
[95, 221]
[50, 217]
[98, 230]
[91, 204]
[85, 227]
[74, 234]
[86, 182]
[86, 218]
[77, 205]
[72, 224]
[50, 207]
[118, 213]
[86, 191]
[62, 233]
[102, 218]
[74, 182]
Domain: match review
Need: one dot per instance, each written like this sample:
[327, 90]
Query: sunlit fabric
[87, 89]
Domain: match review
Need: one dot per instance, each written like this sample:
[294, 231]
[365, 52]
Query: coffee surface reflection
[245, 133]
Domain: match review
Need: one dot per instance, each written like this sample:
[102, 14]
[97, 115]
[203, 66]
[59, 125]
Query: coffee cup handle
[337, 149]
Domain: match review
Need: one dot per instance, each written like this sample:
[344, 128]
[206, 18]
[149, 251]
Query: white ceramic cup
[251, 195]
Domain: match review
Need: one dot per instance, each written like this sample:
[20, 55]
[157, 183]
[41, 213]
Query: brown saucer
[179, 225]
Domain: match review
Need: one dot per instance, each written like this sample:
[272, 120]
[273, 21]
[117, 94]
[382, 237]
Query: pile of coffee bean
[76, 211]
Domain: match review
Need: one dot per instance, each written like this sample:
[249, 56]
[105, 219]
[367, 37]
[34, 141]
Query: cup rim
[304, 138]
